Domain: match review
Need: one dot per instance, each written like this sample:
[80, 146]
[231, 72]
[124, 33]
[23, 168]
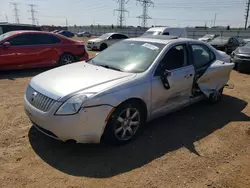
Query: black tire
[66, 58]
[240, 68]
[216, 96]
[115, 128]
[103, 46]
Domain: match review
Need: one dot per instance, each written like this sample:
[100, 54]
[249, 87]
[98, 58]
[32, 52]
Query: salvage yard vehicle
[226, 44]
[105, 41]
[83, 34]
[116, 92]
[208, 37]
[32, 49]
[241, 58]
[172, 31]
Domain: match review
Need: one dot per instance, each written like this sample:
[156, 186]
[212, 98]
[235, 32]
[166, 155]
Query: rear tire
[103, 46]
[124, 124]
[215, 97]
[66, 58]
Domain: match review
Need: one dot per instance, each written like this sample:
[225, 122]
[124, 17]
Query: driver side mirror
[164, 78]
[6, 44]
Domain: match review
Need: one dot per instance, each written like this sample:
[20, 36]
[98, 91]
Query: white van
[179, 32]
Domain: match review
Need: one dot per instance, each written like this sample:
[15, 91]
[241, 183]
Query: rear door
[48, 49]
[210, 74]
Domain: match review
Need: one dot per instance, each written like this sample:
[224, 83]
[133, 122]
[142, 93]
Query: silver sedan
[111, 96]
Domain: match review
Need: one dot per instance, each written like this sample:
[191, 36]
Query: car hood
[95, 40]
[78, 77]
[243, 50]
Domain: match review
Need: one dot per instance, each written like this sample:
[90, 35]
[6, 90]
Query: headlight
[72, 105]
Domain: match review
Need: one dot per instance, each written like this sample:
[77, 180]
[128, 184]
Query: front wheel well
[137, 101]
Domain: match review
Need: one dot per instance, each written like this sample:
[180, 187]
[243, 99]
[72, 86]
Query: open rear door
[215, 77]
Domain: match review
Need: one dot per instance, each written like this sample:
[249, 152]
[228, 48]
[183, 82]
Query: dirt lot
[200, 146]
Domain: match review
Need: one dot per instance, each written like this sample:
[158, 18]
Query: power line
[16, 12]
[247, 13]
[121, 12]
[145, 4]
[33, 11]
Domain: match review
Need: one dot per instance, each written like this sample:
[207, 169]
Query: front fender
[140, 91]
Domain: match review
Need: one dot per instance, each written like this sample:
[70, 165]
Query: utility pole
[215, 16]
[121, 12]
[66, 22]
[16, 12]
[33, 11]
[145, 4]
[247, 13]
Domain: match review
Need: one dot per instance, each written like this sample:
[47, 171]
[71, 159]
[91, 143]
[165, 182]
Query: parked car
[226, 44]
[83, 34]
[135, 81]
[241, 58]
[208, 37]
[104, 41]
[29, 49]
[55, 31]
[66, 33]
[180, 32]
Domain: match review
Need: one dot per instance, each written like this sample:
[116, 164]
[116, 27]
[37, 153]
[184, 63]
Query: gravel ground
[200, 146]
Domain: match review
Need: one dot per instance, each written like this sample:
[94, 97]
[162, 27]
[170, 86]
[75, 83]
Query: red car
[29, 49]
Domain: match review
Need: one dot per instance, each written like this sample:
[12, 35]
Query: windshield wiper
[109, 67]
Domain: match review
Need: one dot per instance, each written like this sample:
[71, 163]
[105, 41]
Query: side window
[123, 37]
[235, 41]
[21, 40]
[166, 33]
[175, 58]
[46, 39]
[202, 55]
[114, 36]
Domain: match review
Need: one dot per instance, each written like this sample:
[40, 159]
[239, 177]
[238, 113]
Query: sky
[175, 13]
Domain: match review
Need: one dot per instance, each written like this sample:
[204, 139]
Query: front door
[19, 54]
[180, 81]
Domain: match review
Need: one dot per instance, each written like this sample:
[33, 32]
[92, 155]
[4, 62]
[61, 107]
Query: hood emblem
[33, 96]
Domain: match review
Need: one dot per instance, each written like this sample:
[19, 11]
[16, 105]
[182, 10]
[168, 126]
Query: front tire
[124, 124]
[66, 58]
[103, 46]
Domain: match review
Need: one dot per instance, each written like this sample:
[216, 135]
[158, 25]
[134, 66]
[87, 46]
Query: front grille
[39, 100]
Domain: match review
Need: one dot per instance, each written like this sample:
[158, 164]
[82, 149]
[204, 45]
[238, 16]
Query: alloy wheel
[127, 124]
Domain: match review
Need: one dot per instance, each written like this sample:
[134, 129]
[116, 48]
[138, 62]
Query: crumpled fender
[215, 77]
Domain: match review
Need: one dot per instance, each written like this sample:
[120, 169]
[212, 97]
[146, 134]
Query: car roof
[163, 37]
[28, 31]
[114, 33]
[164, 40]
[164, 28]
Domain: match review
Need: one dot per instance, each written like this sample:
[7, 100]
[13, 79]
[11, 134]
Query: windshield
[152, 33]
[105, 36]
[129, 56]
[5, 35]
